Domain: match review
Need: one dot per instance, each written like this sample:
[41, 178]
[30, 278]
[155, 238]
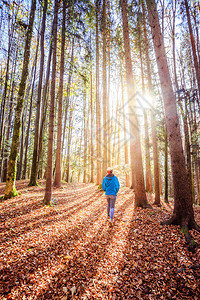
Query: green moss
[33, 183]
[193, 243]
[100, 187]
[184, 230]
[152, 213]
[12, 194]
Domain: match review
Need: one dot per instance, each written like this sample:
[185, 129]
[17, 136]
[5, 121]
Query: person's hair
[109, 170]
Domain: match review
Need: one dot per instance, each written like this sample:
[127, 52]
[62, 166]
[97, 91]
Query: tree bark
[91, 127]
[153, 118]
[105, 125]
[196, 65]
[34, 170]
[147, 155]
[44, 104]
[125, 133]
[136, 160]
[68, 92]
[11, 106]
[57, 179]
[48, 189]
[98, 109]
[10, 190]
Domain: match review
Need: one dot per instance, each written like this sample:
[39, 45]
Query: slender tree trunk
[68, 92]
[5, 162]
[19, 166]
[98, 109]
[48, 189]
[44, 106]
[166, 168]
[57, 180]
[92, 123]
[3, 102]
[147, 155]
[105, 125]
[155, 160]
[85, 137]
[196, 65]
[10, 190]
[183, 214]
[136, 163]
[33, 179]
[125, 133]
[33, 73]
[153, 118]
[197, 35]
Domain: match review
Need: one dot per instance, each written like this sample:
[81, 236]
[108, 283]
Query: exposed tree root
[170, 221]
[157, 204]
[10, 195]
[147, 206]
[191, 244]
[189, 240]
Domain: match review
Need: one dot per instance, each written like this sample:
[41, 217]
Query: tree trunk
[183, 214]
[136, 160]
[33, 74]
[125, 133]
[34, 170]
[44, 105]
[57, 180]
[3, 102]
[196, 65]
[147, 155]
[166, 168]
[69, 141]
[98, 109]
[48, 189]
[92, 123]
[68, 92]
[85, 137]
[153, 125]
[105, 125]
[6, 152]
[10, 190]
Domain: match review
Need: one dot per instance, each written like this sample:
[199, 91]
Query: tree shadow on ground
[19, 271]
[83, 267]
[150, 265]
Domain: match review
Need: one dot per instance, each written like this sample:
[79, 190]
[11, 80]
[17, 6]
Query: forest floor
[68, 251]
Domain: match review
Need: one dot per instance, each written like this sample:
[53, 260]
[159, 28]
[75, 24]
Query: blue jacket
[110, 185]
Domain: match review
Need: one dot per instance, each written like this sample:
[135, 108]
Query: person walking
[111, 187]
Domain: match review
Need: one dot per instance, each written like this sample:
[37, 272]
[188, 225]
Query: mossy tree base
[100, 187]
[11, 194]
[186, 225]
[33, 183]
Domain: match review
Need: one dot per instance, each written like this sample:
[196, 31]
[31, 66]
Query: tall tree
[92, 122]
[98, 110]
[105, 102]
[33, 179]
[196, 65]
[136, 159]
[153, 125]
[57, 180]
[183, 214]
[48, 189]
[10, 190]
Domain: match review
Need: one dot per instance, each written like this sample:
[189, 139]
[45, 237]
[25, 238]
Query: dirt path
[69, 252]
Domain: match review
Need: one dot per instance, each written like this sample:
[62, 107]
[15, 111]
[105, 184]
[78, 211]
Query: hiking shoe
[111, 223]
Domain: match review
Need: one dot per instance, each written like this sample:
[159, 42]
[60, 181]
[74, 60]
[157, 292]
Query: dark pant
[111, 199]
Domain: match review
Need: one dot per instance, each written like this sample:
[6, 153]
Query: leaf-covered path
[68, 251]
